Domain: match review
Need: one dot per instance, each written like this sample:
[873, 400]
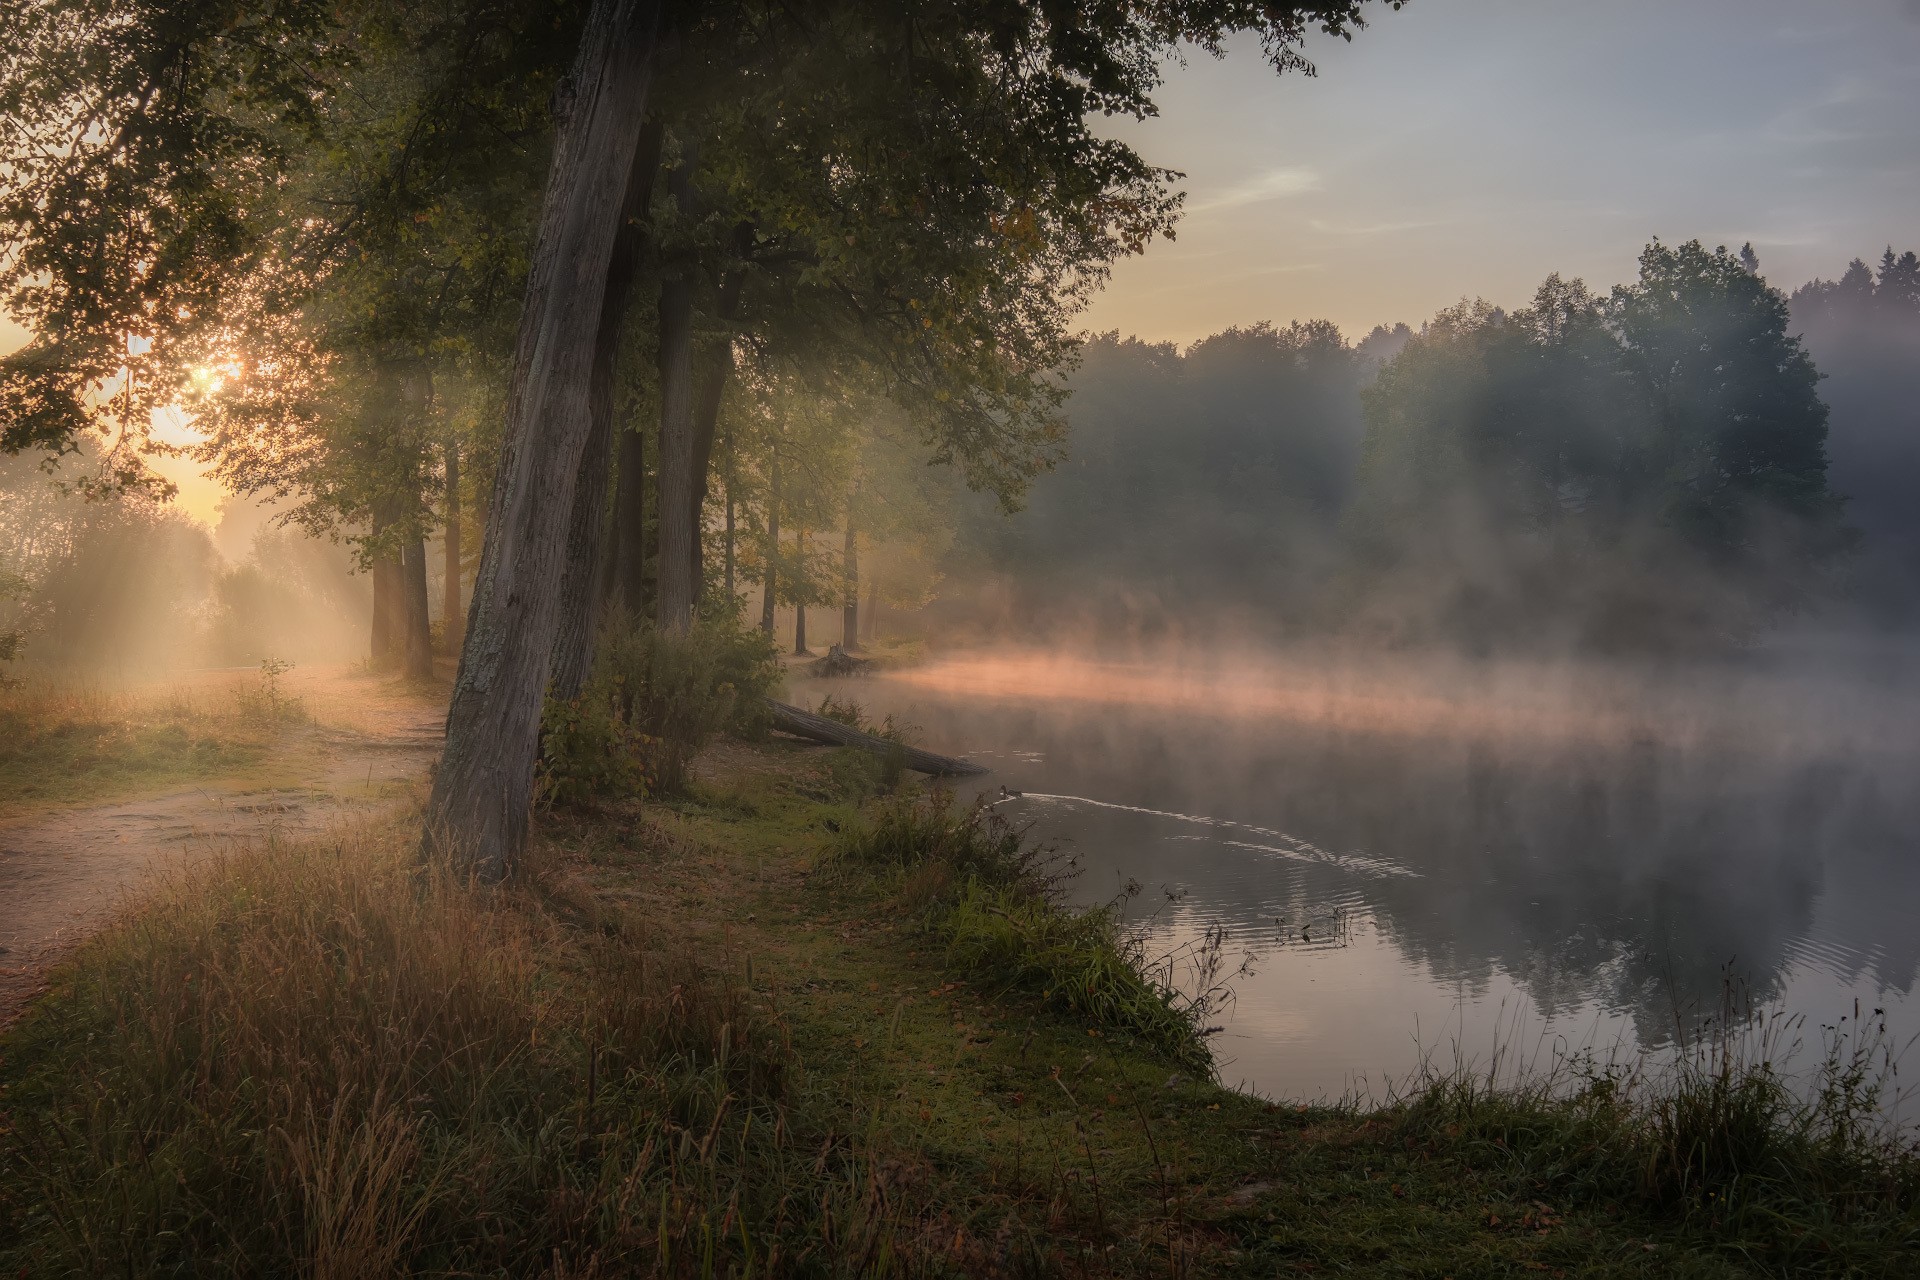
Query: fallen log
[805, 724]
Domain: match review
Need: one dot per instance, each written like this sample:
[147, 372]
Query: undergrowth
[994, 900]
[59, 744]
[1808, 1172]
[750, 1033]
[652, 703]
[325, 1060]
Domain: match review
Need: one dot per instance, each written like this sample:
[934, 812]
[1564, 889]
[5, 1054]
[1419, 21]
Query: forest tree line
[1682, 462]
[579, 257]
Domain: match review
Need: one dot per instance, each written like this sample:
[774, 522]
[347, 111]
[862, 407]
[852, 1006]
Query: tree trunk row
[482, 790]
[581, 588]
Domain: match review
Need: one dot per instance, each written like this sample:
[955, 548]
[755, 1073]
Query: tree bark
[773, 547]
[579, 614]
[706, 408]
[805, 724]
[388, 641]
[451, 620]
[387, 608]
[586, 540]
[732, 598]
[800, 649]
[675, 591]
[417, 656]
[630, 525]
[481, 791]
[850, 567]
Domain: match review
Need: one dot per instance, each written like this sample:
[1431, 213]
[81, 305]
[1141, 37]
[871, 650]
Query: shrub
[850, 713]
[1816, 1174]
[588, 752]
[679, 691]
[269, 702]
[995, 901]
[653, 703]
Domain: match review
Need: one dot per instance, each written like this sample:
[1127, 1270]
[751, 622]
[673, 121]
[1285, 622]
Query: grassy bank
[69, 743]
[783, 1027]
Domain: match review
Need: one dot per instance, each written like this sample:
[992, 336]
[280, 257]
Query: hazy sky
[1463, 147]
[1469, 147]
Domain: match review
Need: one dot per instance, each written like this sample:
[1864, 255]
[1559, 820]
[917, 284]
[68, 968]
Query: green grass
[753, 1032]
[992, 901]
[64, 746]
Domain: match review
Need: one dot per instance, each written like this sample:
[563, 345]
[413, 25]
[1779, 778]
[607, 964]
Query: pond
[1444, 861]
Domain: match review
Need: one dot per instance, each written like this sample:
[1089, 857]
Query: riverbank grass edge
[788, 1026]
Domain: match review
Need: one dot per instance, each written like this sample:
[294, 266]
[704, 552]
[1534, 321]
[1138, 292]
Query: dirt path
[64, 873]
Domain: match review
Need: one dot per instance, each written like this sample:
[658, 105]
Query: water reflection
[1411, 879]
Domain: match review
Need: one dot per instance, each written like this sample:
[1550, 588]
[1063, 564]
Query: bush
[680, 691]
[1816, 1175]
[995, 902]
[588, 752]
[269, 702]
[654, 702]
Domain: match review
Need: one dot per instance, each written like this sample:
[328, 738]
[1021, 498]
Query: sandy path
[64, 873]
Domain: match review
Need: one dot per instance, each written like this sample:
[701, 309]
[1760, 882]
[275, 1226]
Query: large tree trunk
[579, 616]
[732, 597]
[478, 810]
[630, 525]
[580, 587]
[850, 567]
[675, 591]
[451, 619]
[773, 547]
[389, 639]
[387, 608]
[417, 657]
[800, 649]
[706, 407]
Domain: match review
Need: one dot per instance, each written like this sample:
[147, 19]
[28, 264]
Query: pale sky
[1469, 147]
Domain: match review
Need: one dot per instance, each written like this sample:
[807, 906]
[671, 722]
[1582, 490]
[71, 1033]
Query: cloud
[1275, 184]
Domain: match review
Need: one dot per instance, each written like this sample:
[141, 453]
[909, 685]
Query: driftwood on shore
[805, 724]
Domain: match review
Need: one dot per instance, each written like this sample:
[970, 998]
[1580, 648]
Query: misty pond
[1541, 860]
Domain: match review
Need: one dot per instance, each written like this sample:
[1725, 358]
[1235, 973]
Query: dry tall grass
[327, 1060]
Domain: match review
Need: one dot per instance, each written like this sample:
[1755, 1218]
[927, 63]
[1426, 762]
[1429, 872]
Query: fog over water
[1441, 855]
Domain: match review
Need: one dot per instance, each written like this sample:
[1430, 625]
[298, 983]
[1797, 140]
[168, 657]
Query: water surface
[1444, 861]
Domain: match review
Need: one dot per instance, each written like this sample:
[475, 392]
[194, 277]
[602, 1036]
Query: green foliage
[1810, 1173]
[653, 702]
[1864, 331]
[994, 902]
[175, 123]
[269, 701]
[13, 636]
[589, 752]
[1209, 478]
[1647, 468]
[679, 691]
[851, 714]
[64, 745]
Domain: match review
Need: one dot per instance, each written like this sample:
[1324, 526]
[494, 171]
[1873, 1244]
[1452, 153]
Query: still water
[1439, 863]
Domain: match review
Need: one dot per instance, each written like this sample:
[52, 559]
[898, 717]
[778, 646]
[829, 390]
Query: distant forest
[1681, 463]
